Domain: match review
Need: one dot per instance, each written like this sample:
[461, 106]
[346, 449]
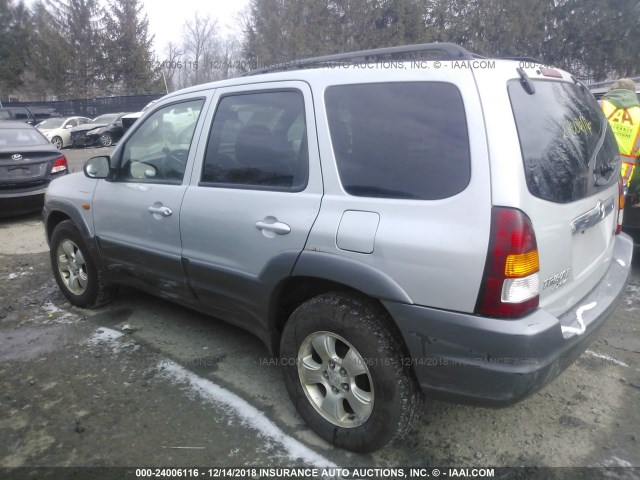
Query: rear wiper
[604, 171]
[525, 81]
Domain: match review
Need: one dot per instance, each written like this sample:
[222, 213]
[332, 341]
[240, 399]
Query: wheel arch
[57, 211]
[316, 273]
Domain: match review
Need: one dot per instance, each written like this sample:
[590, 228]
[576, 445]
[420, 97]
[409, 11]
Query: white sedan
[57, 129]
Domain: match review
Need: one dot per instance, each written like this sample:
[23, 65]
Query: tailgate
[570, 160]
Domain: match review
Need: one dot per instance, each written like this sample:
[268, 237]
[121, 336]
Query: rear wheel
[75, 271]
[346, 372]
[57, 141]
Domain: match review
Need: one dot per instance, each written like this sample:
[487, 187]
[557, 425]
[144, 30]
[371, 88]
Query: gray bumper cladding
[481, 360]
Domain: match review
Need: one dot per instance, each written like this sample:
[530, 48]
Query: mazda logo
[16, 156]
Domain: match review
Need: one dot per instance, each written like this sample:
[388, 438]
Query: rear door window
[400, 140]
[569, 150]
[258, 141]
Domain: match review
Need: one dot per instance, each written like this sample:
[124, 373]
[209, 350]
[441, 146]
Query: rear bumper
[472, 359]
[22, 202]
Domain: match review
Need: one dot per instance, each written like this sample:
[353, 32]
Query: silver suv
[388, 222]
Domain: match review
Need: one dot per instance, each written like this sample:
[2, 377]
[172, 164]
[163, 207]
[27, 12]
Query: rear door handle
[276, 227]
[164, 211]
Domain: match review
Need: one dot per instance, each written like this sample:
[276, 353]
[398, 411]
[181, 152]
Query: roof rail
[435, 51]
[523, 58]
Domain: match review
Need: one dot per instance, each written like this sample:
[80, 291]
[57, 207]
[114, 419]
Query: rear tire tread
[374, 322]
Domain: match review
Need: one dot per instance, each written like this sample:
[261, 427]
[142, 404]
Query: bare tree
[169, 66]
[199, 47]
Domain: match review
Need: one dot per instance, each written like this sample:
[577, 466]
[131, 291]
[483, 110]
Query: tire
[345, 370]
[106, 140]
[57, 141]
[75, 270]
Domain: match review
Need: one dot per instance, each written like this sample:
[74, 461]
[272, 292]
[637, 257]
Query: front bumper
[83, 141]
[487, 361]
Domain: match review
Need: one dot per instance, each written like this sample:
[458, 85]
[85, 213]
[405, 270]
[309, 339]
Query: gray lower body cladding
[486, 361]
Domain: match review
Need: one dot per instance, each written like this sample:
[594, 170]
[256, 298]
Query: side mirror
[68, 126]
[97, 167]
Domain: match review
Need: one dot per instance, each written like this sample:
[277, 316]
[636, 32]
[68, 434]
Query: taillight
[511, 281]
[620, 205]
[60, 165]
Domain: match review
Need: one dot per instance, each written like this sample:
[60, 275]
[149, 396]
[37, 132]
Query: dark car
[631, 216]
[28, 163]
[31, 115]
[102, 131]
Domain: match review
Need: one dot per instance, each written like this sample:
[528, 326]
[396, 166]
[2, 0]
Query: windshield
[23, 137]
[106, 119]
[52, 123]
[568, 148]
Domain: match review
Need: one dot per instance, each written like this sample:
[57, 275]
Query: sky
[167, 18]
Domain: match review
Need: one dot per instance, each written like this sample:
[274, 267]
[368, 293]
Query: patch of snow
[208, 391]
[606, 357]
[57, 315]
[13, 276]
[248, 414]
[105, 335]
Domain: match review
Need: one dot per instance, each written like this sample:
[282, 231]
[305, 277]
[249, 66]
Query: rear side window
[568, 148]
[400, 140]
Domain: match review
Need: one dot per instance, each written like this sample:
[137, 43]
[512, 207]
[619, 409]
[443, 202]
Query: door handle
[275, 227]
[164, 211]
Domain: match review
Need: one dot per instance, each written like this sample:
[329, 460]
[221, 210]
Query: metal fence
[93, 107]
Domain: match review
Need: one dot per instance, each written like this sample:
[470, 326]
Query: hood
[88, 126]
[622, 98]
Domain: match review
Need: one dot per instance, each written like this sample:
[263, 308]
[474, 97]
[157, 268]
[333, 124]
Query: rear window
[400, 140]
[14, 137]
[567, 145]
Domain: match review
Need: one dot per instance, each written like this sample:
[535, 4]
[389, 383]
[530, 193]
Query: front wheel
[345, 370]
[74, 269]
[106, 140]
[57, 141]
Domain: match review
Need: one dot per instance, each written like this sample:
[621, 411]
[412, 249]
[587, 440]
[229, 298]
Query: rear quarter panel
[434, 250]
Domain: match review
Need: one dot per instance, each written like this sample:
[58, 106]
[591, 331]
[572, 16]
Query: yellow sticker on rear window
[574, 127]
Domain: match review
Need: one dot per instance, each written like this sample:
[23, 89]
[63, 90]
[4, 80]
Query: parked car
[386, 231]
[28, 163]
[57, 130]
[101, 131]
[130, 118]
[631, 218]
[31, 115]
